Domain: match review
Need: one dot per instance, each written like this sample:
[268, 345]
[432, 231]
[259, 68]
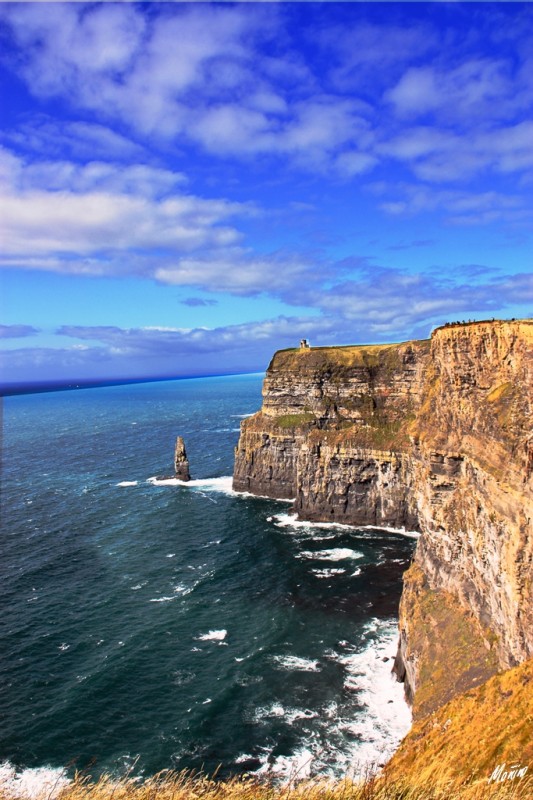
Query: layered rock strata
[332, 432]
[432, 435]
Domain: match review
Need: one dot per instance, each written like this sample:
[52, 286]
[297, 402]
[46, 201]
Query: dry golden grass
[184, 786]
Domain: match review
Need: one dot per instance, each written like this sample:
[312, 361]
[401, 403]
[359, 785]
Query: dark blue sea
[147, 624]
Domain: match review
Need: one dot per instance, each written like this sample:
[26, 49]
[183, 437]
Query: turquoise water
[162, 625]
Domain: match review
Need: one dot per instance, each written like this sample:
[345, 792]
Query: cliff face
[332, 432]
[434, 436]
[472, 458]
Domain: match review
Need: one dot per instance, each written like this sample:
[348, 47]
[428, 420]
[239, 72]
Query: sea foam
[296, 663]
[293, 521]
[335, 554]
[32, 784]
[215, 636]
[387, 716]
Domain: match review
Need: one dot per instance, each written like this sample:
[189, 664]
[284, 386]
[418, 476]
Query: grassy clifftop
[345, 356]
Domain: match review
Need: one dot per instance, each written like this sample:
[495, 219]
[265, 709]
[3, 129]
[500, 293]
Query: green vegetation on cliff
[294, 420]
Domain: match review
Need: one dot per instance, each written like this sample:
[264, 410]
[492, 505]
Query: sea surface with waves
[147, 624]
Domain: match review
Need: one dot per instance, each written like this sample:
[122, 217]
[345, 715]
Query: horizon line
[71, 384]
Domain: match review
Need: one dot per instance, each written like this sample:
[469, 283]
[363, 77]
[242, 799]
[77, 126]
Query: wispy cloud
[385, 301]
[195, 302]
[111, 351]
[82, 140]
[459, 207]
[17, 331]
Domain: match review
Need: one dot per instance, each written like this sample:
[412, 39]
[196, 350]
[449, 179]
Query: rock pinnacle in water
[181, 462]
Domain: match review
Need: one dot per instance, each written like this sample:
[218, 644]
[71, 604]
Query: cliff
[332, 432]
[430, 435]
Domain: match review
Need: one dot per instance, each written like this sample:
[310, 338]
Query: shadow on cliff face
[373, 590]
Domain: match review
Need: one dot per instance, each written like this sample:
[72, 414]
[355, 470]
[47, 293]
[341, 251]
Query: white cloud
[188, 71]
[238, 271]
[354, 163]
[235, 81]
[101, 208]
[442, 155]
[470, 89]
[65, 43]
[64, 222]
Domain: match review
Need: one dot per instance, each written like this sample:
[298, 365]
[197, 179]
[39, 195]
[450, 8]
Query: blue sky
[187, 187]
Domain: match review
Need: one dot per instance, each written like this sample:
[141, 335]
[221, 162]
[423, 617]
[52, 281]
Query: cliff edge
[429, 435]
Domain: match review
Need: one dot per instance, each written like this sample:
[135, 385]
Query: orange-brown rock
[434, 435]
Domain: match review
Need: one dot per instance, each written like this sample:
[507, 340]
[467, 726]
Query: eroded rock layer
[431, 435]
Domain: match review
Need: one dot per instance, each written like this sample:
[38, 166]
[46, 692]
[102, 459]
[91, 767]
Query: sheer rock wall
[434, 436]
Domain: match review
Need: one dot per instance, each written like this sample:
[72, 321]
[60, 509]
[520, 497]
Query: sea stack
[181, 462]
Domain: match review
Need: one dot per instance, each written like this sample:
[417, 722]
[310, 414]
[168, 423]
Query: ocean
[148, 624]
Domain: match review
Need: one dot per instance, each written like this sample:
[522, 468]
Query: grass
[186, 786]
[341, 358]
[294, 420]
[476, 732]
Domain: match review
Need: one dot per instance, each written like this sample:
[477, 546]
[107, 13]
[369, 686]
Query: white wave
[266, 712]
[289, 768]
[293, 714]
[335, 554]
[223, 484]
[32, 784]
[127, 483]
[212, 636]
[181, 590]
[363, 739]
[293, 662]
[402, 531]
[221, 430]
[293, 521]
[155, 481]
[243, 757]
[387, 717]
[328, 573]
[290, 715]
[163, 599]
[242, 416]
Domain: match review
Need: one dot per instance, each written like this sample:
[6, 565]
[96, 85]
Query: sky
[187, 187]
